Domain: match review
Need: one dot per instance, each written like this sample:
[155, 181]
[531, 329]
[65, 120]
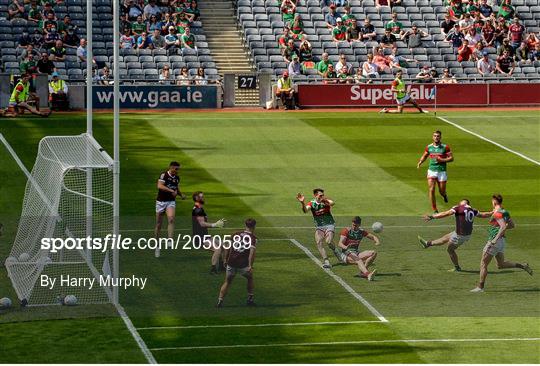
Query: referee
[168, 190]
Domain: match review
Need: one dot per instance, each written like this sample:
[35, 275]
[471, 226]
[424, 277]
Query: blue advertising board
[157, 96]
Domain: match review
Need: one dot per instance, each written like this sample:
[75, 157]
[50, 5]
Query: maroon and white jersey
[243, 241]
[465, 215]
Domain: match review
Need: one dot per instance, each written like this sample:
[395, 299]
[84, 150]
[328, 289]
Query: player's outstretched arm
[422, 159]
[341, 243]
[300, 197]
[485, 215]
[373, 238]
[439, 215]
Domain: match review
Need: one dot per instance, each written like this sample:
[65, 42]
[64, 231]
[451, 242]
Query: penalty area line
[261, 325]
[337, 343]
[339, 280]
[488, 140]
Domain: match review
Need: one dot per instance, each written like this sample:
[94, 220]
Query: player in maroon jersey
[464, 215]
[239, 260]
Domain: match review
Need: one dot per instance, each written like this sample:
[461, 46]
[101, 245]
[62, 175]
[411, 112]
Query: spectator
[534, 55]
[505, 64]
[182, 22]
[15, 10]
[354, 32]
[397, 61]
[395, 3]
[105, 77]
[158, 40]
[34, 15]
[472, 8]
[382, 3]
[370, 70]
[45, 65]
[330, 75]
[58, 52]
[165, 75]
[488, 34]
[395, 26]
[516, 32]
[183, 78]
[48, 23]
[295, 68]
[478, 51]
[188, 40]
[368, 30]
[388, 40]
[288, 10]
[152, 25]
[192, 11]
[47, 9]
[306, 55]
[464, 52]
[456, 10]
[70, 39]
[283, 40]
[151, 9]
[58, 93]
[485, 10]
[522, 53]
[81, 50]
[124, 23]
[455, 37]
[344, 74]
[466, 23]
[447, 78]
[165, 23]
[24, 40]
[289, 51]
[200, 77]
[532, 41]
[50, 38]
[322, 66]
[138, 27]
[28, 65]
[505, 46]
[171, 40]
[65, 25]
[447, 24]
[343, 62]
[485, 66]
[29, 50]
[297, 27]
[133, 11]
[331, 17]
[473, 37]
[144, 42]
[358, 78]
[425, 75]
[347, 17]
[285, 91]
[37, 39]
[501, 33]
[382, 62]
[413, 37]
[506, 10]
[127, 41]
[339, 33]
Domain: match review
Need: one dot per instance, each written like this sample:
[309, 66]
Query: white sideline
[383, 341]
[127, 321]
[488, 140]
[339, 280]
[257, 325]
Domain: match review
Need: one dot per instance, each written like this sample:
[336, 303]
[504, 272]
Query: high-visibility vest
[57, 86]
[23, 95]
[285, 83]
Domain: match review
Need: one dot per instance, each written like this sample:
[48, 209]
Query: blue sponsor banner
[157, 96]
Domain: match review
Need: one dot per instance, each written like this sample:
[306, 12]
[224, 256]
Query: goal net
[68, 195]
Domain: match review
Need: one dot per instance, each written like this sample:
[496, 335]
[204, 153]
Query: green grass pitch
[253, 164]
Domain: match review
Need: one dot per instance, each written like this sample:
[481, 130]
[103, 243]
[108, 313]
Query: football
[11, 259]
[5, 303]
[24, 257]
[70, 300]
[377, 227]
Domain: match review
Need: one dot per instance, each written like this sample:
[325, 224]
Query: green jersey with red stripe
[493, 229]
[321, 213]
[435, 151]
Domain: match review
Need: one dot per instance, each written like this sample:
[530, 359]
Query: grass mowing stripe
[259, 325]
[382, 341]
[488, 140]
[339, 280]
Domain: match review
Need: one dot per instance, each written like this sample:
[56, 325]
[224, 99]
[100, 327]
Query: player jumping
[464, 215]
[500, 221]
[239, 260]
[167, 185]
[20, 97]
[320, 207]
[349, 242]
[402, 97]
[439, 155]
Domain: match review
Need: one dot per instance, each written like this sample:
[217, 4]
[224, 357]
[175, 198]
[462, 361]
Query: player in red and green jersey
[500, 221]
[349, 243]
[320, 208]
[402, 97]
[439, 155]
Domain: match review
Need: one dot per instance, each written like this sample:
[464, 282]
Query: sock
[481, 284]
[456, 266]
[429, 243]
[220, 299]
[519, 265]
[325, 259]
[250, 297]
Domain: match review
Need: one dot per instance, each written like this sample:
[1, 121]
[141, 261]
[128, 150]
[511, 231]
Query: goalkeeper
[200, 224]
[21, 96]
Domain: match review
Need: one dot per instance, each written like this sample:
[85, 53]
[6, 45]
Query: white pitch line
[135, 334]
[383, 341]
[490, 141]
[258, 325]
[339, 280]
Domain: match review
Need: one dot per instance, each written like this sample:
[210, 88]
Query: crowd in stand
[471, 26]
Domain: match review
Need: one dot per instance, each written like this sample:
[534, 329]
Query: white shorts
[496, 248]
[405, 99]
[327, 228]
[440, 176]
[232, 271]
[162, 206]
[458, 240]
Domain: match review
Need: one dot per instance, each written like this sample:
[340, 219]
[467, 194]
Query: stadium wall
[345, 95]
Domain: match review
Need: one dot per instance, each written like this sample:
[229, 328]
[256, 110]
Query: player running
[439, 155]
[500, 221]
[239, 260]
[464, 215]
[402, 97]
[21, 96]
[349, 243]
[320, 207]
[200, 225]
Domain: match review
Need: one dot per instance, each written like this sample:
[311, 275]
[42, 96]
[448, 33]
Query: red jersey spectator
[464, 52]
[516, 31]
[506, 64]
